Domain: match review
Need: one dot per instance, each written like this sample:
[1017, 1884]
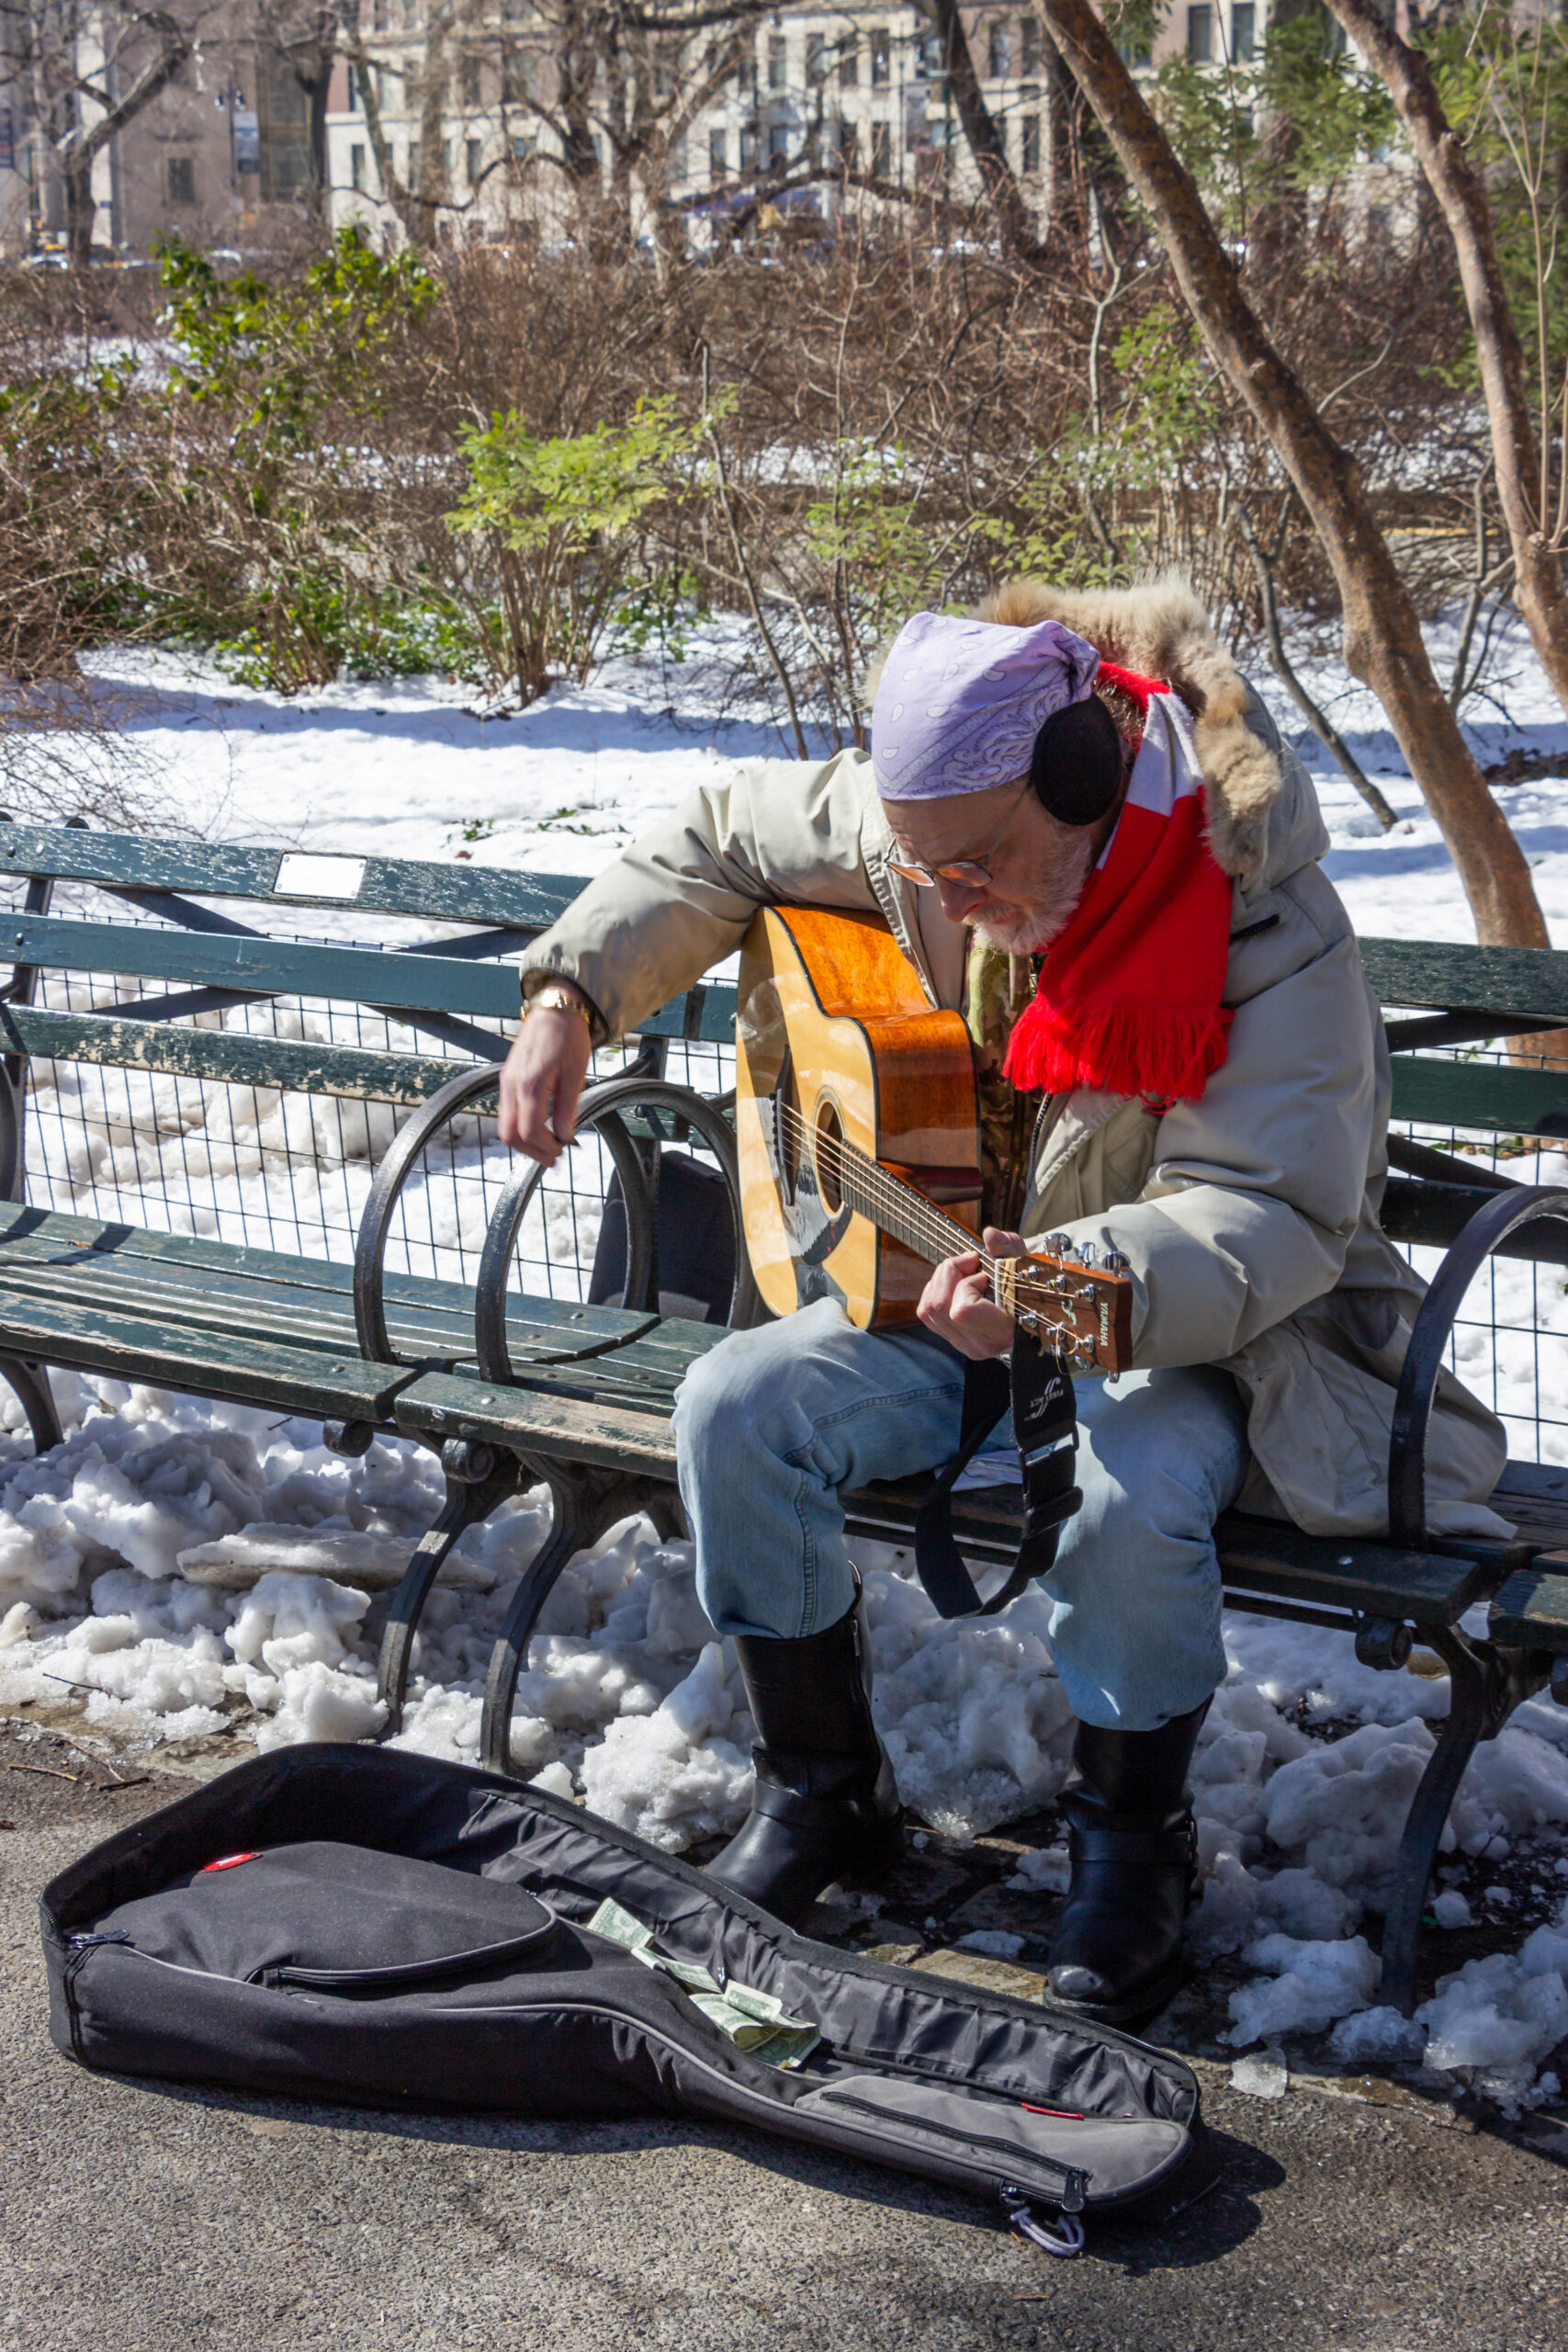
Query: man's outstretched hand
[956, 1302]
[541, 1079]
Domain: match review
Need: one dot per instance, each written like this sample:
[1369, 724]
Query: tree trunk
[1057, 84]
[81, 210]
[1381, 629]
[1538, 568]
[986, 141]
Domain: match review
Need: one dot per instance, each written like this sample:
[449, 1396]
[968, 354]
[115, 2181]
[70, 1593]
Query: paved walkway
[138, 2217]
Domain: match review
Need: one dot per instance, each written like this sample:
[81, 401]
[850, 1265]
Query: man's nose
[959, 900]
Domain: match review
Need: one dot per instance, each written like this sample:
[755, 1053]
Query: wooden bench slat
[1432, 1217]
[467, 894]
[442, 1404]
[1426, 972]
[224, 1056]
[1378, 1579]
[1481, 1094]
[317, 1386]
[39, 1232]
[1530, 1611]
[262, 967]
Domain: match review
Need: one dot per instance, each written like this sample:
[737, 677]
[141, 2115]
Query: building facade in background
[482, 121]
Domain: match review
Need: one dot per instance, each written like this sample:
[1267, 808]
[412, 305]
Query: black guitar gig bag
[371, 1928]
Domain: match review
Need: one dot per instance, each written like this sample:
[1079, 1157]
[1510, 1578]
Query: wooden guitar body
[836, 1040]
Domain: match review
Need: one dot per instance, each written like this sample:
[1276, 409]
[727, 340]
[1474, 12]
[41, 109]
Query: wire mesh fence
[289, 1171]
[1510, 1338]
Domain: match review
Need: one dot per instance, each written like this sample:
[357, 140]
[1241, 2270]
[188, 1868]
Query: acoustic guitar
[859, 1136]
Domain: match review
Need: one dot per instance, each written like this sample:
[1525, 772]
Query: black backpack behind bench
[387, 1930]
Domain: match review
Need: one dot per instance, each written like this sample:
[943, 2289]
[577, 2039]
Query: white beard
[1025, 931]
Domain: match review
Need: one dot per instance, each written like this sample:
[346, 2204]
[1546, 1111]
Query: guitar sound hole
[829, 1133]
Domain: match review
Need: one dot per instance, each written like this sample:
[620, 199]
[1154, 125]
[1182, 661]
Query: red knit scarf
[1129, 993]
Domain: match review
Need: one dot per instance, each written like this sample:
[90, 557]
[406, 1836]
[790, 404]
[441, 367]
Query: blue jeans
[772, 1423]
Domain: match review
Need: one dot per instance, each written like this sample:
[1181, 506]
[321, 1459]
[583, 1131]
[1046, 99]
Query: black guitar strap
[1045, 1427]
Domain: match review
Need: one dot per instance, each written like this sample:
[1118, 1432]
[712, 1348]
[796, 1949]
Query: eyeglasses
[969, 873]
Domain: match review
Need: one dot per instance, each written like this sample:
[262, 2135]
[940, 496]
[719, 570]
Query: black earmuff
[1078, 764]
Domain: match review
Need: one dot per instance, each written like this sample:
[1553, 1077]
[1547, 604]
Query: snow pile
[1498, 2017]
[1307, 1986]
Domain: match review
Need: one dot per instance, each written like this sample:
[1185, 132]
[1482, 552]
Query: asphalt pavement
[140, 2217]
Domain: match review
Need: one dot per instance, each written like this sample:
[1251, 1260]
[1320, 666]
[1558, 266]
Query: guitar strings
[918, 1222]
[902, 1211]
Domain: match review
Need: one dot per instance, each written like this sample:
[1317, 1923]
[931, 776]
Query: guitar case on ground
[383, 1930]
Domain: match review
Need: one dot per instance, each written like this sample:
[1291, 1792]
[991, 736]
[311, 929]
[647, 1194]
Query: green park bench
[505, 1369]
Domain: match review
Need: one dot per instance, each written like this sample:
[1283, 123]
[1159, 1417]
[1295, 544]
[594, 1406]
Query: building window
[476, 148]
[380, 17]
[881, 56]
[1028, 60]
[997, 50]
[1028, 145]
[778, 64]
[1243, 32]
[848, 146]
[718, 158]
[881, 148]
[1199, 34]
[778, 146]
[523, 145]
[1136, 52]
[416, 166]
[356, 167]
[675, 162]
[745, 76]
[748, 149]
[354, 90]
[849, 62]
[816, 59]
[182, 179]
[472, 81]
[519, 77]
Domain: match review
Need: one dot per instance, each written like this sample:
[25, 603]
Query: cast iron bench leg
[1465, 1726]
[1488, 1680]
[477, 1477]
[585, 1502]
[31, 1382]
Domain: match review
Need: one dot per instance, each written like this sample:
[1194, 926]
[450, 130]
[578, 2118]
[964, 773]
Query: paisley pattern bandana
[961, 701]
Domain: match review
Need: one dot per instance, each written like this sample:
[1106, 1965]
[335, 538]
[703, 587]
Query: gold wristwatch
[556, 997]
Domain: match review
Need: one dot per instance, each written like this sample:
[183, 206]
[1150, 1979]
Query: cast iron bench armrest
[1493, 1223]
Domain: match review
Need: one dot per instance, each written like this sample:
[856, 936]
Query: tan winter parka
[1250, 1217]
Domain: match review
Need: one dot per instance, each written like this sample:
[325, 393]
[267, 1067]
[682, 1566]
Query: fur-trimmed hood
[1161, 630]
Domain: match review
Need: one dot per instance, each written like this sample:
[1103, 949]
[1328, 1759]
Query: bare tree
[1381, 630]
[86, 69]
[1517, 460]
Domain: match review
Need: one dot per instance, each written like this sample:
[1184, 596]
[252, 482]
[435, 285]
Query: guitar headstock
[1076, 1302]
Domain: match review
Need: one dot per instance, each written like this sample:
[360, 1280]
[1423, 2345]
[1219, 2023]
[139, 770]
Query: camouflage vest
[997, 988]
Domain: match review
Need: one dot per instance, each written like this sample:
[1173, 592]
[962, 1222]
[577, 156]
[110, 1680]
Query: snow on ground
[182, 1565]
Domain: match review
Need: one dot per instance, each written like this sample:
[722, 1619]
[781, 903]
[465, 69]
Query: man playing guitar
[1083, 830]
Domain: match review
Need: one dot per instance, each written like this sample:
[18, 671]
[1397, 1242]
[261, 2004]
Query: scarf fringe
[1167, 1052]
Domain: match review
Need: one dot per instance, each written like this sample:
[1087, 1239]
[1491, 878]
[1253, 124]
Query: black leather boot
[826, 1803]
[1117, 1949]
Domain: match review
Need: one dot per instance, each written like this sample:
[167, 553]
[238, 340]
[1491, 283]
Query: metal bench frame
[602, 1447]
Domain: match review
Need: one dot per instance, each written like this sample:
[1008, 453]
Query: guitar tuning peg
[1115, 1263]
[1087, 1254]
[1059, 1245]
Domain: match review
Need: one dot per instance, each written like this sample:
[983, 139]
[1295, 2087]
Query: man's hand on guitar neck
[541, 1079]
[956, 1302]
